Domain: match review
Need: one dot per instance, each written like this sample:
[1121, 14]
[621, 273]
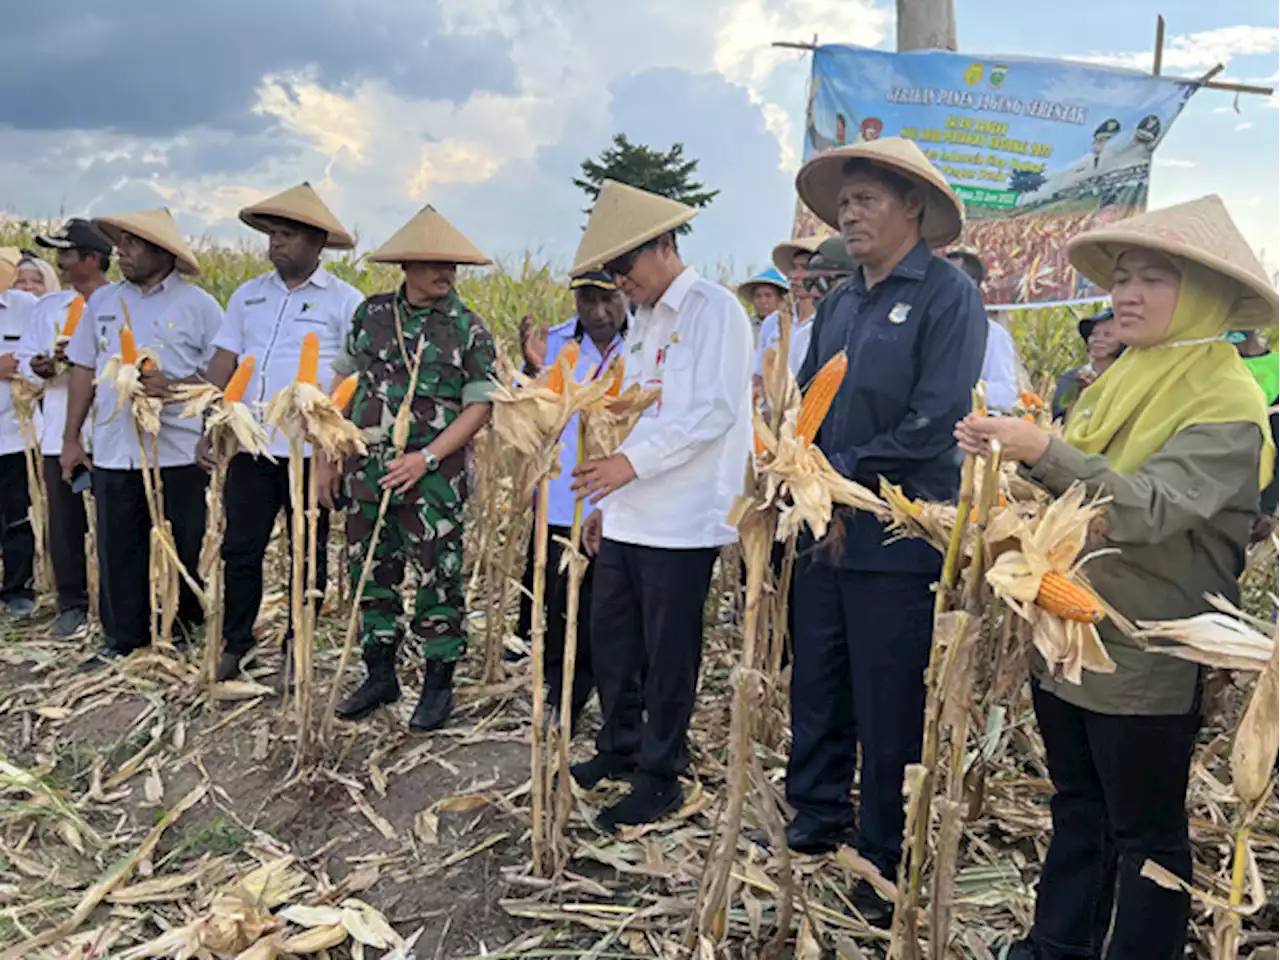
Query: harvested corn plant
[530, 417]
[230, 427]
[399, 440]
[26, 398]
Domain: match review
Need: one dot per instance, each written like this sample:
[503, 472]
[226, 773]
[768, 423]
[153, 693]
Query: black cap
[77, 234]
[593, 278]
[1088, 323]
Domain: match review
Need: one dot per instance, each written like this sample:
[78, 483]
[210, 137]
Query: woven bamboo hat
[157, 227]
[819, 181]
[429, 238]
[10, 257]
[1199, 230]
[784, 253]
[300, 204]
[768, 278]
[622, 219]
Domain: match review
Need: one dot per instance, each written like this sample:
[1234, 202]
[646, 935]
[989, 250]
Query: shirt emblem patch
[899, 313]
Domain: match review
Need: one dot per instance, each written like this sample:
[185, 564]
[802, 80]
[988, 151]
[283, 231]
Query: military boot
[436, 701]
[380, 687]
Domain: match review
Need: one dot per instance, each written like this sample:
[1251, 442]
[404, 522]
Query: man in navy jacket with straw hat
[914, 330]
[665, 496]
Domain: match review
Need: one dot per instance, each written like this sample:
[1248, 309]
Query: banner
[1038, 150]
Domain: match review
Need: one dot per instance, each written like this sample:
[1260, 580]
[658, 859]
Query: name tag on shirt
[254, 301]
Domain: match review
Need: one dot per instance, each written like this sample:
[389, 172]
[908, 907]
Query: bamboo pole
[537, 630]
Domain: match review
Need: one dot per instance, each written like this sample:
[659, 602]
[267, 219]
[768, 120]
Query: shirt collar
[320, 277]
[168, 283]
[673, 297]
[913, 266]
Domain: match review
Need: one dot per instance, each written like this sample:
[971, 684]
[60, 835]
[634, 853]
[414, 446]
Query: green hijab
[1191, 377]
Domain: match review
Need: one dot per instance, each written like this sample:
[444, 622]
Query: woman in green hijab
[1176, 435]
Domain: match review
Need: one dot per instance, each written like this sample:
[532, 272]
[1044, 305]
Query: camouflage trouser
[423, 529]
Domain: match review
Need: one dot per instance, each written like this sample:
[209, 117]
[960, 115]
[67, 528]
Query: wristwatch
[431, 460]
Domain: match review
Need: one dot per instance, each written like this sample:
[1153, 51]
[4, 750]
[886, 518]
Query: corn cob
[1068, 599]
[567, 357]
[309, 361]
[1031, 400]
[817, 399]
[615, 389]
[346, 390]
[128, 346]
[1001, 501]
[75, 310]
[239, 380]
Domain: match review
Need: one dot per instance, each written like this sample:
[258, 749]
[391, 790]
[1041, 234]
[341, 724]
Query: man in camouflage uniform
[423, 523]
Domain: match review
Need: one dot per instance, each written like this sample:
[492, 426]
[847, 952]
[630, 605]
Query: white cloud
[1231, 109]
[1175, 163]
[1199, 51]
[1244, 126]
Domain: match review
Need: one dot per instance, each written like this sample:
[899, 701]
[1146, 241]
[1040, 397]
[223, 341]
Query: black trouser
[124, 549]
[861, 648]
[17, 541]
[68, 527]
[1121, 785]
[556, 602]
[646, 636]
[256, 491]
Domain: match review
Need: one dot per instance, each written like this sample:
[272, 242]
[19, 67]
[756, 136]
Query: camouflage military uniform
[422, 528]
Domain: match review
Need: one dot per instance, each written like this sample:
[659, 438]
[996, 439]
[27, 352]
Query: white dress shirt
[689, 451]
[16, 309]
[175, 320]
[39, 340]
[267, 320]
[771, 333]
[1000, 369]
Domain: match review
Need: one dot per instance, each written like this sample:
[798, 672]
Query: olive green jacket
[1181, 524]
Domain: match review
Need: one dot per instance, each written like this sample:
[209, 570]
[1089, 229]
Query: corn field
[1047, 339]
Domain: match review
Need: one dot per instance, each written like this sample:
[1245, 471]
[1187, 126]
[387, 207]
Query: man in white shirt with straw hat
[267, 318]
[177, 321]
[665, 496]
[17, 540]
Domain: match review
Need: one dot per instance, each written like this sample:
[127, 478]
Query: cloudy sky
[486, 107]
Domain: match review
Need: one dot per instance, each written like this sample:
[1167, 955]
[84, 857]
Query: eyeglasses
[623, 265]
[821, 282]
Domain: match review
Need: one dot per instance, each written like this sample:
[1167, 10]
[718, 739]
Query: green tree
[669, 173]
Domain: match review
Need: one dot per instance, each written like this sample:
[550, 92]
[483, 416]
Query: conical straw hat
[784, 253]
[819, 181]
[429, 238]
[301, 204]
[10, 257]
[770, 277]
[1198, 230]
[156, 227]
[622, 219]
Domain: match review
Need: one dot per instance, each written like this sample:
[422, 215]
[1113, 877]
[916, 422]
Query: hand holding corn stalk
[230, 427]
[305, 413]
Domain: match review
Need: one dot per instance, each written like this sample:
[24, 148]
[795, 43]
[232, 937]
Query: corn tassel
[567, 357]
[346, 390]
[75, 310]
[128, 346]
[817, 399]
[309, 362]
[1069, 600]
[239, 380]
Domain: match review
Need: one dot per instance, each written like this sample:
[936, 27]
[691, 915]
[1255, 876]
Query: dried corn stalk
[26, 397]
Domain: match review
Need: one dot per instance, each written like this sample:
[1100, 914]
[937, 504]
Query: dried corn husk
[609, 422]
[199, 399]
[126, 378]
[302, 410]
[1227, 639]
[1253, 752]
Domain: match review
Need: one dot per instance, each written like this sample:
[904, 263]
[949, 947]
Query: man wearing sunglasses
[664, 497]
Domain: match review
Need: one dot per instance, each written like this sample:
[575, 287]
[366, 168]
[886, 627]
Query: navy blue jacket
[915, 343]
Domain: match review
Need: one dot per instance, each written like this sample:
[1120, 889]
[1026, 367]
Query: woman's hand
[1019, 439]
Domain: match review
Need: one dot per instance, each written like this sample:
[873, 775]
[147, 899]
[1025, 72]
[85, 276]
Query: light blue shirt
[561, 503]
[1000, 369]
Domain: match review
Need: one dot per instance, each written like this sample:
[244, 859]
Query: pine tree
[668, 174]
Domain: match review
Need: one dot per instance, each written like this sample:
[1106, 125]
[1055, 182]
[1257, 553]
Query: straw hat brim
[260, 220]
[820, 179]
[622, 219]
[166, 237]
[638, 238]
[747, 290]
[10, 257]
[429, 238]
[784, 253]
[1094, 255]
[403, 257]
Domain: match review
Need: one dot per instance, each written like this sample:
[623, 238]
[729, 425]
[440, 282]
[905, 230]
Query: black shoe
[807, 836]
[435, 703]
[69, 622]
[603, 766]
[651, 799]
[103, 658]
[875, 909]
[380, 687]
[1025, 949]
[228, 665]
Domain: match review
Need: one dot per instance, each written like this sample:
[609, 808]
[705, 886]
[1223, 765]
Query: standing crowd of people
[1166, 420]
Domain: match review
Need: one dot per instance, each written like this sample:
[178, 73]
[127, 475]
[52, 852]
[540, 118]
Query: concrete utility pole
[926, 25]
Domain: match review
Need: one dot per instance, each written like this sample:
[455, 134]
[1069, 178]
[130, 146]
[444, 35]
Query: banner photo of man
[1038, 150]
